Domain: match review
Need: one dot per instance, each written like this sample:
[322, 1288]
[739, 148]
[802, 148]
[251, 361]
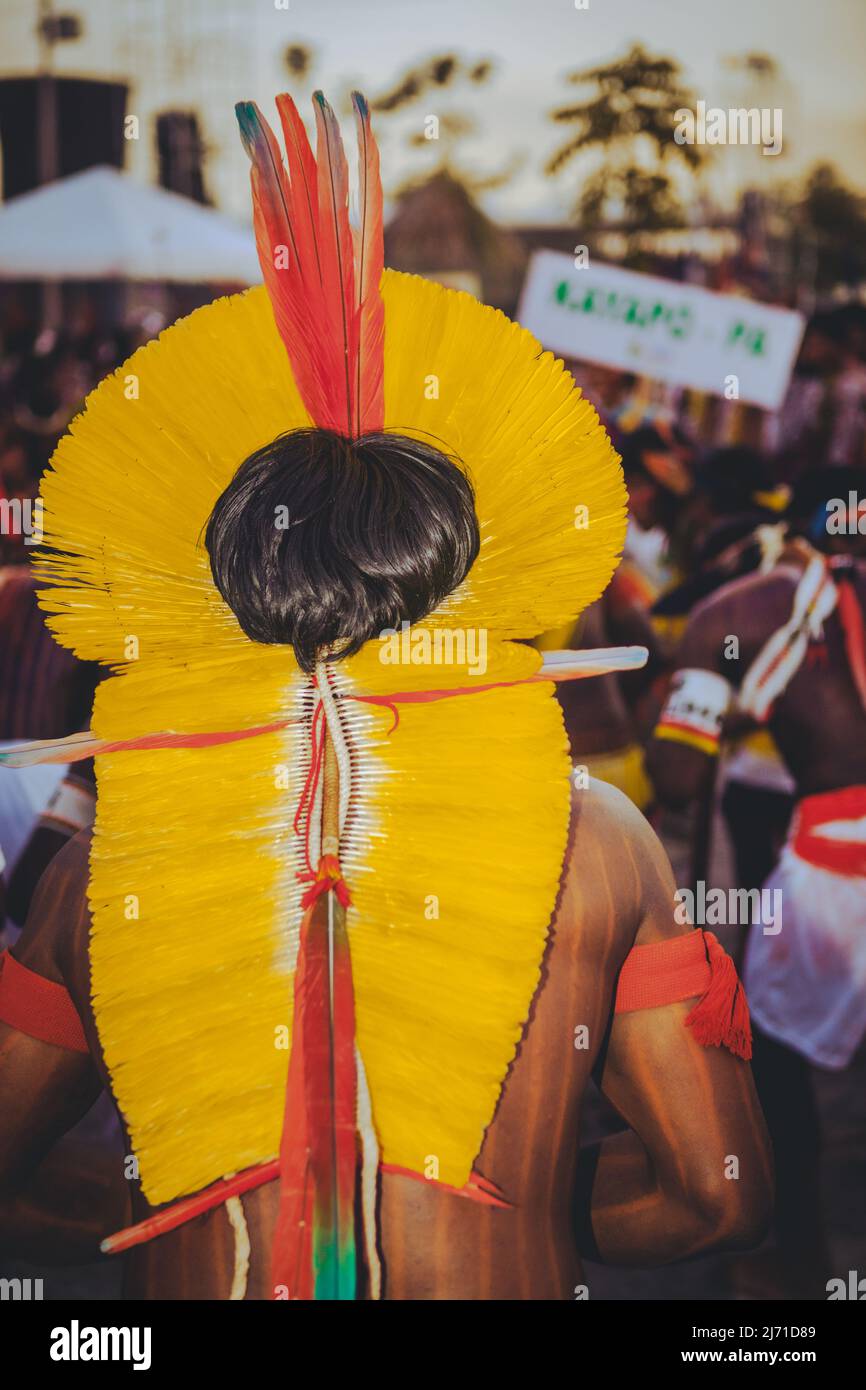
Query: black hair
[322, 542]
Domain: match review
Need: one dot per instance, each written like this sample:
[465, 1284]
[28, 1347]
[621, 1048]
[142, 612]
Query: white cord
[369, 1175]
[235, 1213]
[338, 738]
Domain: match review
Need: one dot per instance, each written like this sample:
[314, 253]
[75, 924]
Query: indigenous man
[448, 940]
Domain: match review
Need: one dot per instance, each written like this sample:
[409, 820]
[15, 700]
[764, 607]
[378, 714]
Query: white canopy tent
[103, 225]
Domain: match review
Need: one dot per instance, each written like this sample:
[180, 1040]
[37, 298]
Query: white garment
[648, 551]
[24, 794]
[744, 763]
[806, 986]
[782, 655]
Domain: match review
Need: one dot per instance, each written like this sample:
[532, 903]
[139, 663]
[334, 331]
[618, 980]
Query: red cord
[327, 875]
[308, 795]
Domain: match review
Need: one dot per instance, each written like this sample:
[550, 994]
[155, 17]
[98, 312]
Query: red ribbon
[328, 876]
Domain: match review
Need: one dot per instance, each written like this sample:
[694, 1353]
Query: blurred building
[72, 73]
[438, 230]
[86, 117]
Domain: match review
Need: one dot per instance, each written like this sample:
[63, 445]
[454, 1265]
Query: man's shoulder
[750, 608]
[603, 817]
[58, 923]
[611, 850]
[70, 867]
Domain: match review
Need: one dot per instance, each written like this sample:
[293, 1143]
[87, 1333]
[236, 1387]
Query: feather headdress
[313, 867]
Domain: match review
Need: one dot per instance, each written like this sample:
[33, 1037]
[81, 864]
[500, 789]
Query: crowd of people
[742, 739]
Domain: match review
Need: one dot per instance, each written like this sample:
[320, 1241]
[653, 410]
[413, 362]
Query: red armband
[38, 1007]
[666, 972]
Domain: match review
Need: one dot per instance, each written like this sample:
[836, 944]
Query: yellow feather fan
[455, 836]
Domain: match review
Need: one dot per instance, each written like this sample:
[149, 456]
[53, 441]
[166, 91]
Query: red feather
[292, 1252]
[302, 179]
[329, 313]
[370, 383]
[314, 1242]
[335, 251]
[329, 1065]
[297, 300]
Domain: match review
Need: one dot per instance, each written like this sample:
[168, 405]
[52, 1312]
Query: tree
[299, 59]
[452, 127]
[437, 72]
[627, 114]
[831, 225]
[435, 75]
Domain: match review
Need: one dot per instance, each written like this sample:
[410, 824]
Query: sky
[209, 53]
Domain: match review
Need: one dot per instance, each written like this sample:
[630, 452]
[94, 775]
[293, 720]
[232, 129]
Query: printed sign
[738, 348]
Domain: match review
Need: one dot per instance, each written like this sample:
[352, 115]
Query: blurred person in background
[656, 463]
[786, 649]
[824, 412]
[739, 524]
[605, 718]
[45, 692]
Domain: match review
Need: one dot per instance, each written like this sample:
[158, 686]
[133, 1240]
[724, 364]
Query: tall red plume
[323, 284]
[313, 1255]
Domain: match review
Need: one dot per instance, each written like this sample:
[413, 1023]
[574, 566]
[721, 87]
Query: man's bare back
[660, 1190]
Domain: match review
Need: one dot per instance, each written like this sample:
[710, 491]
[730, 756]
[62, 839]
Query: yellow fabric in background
[623, 768]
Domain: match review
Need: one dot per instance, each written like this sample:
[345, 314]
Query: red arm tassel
[721, 1016]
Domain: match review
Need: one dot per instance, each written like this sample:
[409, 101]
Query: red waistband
[846, 857]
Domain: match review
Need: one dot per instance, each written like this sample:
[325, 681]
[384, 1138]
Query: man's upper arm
[683, 748]
[45, 1088]
[694, 1107]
